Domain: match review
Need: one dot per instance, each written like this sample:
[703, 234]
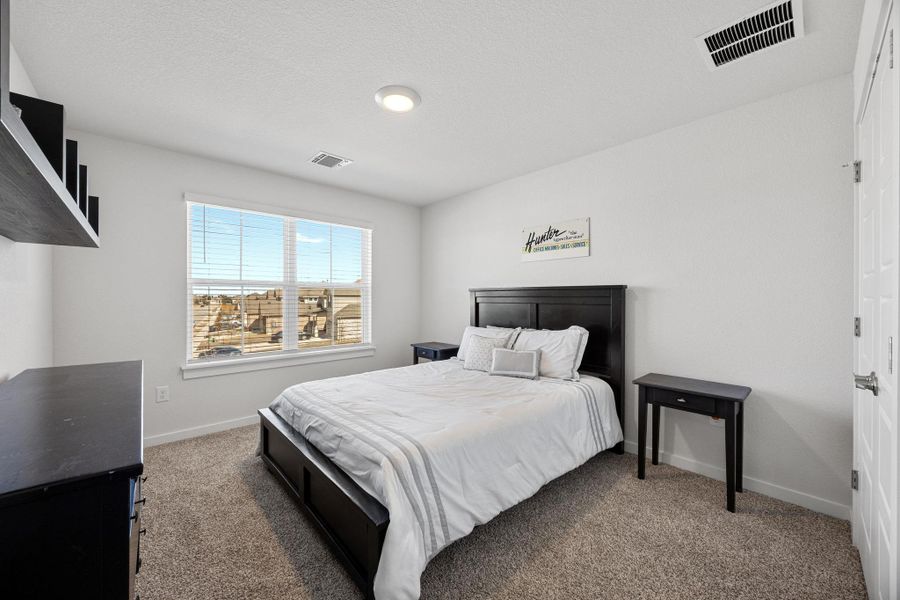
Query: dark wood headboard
[598, 308]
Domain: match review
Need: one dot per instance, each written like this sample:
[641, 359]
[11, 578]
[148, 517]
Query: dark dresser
[71, 459]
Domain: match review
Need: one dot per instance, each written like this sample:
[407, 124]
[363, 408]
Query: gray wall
[127, 300]
[734, 235]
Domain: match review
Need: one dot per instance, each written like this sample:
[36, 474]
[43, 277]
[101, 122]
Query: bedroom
[722, 197]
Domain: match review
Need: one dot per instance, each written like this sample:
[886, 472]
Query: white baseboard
[828, 507]
[183, 434]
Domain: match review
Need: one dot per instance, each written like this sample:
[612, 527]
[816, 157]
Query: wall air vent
[330, 160]
[774, 24]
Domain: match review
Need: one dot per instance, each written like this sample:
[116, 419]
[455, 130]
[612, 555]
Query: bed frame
[353, 522]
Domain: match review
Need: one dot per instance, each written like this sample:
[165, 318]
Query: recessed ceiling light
[397, 98]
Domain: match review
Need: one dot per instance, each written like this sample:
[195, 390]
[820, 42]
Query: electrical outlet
[162, 393]
[717, 422]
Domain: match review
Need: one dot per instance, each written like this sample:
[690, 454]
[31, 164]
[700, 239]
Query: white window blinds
[264, 283]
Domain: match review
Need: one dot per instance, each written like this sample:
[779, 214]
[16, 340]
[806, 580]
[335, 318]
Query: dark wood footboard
[352, 521]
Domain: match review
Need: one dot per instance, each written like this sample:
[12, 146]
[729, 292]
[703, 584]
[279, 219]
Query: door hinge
[891, 58]
[854, 479]
[857, 171]
[857, 327]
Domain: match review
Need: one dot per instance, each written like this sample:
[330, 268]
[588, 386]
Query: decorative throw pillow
[516, 363]
[505, 333]
[478, 354]
[561, 350]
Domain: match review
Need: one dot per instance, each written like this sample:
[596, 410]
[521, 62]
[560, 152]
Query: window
[265, 284]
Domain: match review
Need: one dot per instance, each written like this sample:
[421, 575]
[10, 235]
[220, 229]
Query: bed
[445, 448]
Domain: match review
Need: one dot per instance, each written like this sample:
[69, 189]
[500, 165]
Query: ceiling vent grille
[330, 160]
[774, 24]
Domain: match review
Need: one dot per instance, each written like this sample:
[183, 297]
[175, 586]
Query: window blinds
[261, 283]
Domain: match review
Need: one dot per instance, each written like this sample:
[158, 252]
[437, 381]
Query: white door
[875, 520]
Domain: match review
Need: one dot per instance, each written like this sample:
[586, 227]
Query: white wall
[733, 234]
[127, 299]
[26, 323]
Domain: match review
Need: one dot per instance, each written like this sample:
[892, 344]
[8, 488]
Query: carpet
[220, 527]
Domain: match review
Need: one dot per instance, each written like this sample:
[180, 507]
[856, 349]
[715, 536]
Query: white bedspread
[445, 449]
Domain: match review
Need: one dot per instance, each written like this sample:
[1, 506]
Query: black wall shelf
[35, 206]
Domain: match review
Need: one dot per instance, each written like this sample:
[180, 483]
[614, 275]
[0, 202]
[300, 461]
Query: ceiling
[507, 87]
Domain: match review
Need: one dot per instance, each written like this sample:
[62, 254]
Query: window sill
[244, 364]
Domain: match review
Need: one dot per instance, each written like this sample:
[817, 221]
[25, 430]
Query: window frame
[290, 353]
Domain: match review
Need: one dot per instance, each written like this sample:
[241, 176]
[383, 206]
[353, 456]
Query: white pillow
[512, 337]
[561, 350]
[583, 345]
[480, 352]
[504, 333]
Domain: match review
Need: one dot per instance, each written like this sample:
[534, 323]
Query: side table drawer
[425, 353]
[686, 401]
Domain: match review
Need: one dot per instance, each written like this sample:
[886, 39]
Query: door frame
[878, 18]
[871, 36]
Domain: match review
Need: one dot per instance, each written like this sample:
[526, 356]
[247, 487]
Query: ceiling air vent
[330, 160]
[767, 27]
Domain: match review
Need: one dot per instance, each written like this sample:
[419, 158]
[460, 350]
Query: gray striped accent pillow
[516, 363]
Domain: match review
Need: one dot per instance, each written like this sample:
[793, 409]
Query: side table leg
[730, 455]
[642, 430]
[740, 449]
[656, 434]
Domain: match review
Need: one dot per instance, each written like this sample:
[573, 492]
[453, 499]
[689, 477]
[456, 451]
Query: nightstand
[708, 398]
[433, 351]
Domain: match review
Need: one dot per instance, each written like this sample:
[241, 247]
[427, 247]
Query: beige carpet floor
[220, 527]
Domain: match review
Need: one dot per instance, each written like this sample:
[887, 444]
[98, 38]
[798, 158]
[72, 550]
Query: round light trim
[397, 98]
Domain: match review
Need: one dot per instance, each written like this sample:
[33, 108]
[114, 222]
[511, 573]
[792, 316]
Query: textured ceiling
[508, 87]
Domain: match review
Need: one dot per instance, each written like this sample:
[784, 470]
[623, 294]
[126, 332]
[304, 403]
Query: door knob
[866, 382]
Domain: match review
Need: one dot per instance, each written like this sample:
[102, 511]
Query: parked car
[219, 351]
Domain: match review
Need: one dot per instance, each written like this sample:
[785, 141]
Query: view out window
[262, 283]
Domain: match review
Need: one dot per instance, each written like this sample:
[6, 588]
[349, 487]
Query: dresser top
[63, 424]
[724, 391]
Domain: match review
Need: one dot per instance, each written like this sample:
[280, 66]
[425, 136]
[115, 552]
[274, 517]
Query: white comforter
[445, 449]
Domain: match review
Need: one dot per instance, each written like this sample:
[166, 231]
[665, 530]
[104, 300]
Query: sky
[231, 245]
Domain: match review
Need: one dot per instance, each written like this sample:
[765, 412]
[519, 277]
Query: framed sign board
[563, 239]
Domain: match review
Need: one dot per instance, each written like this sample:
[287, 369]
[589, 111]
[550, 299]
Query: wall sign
[564, 239]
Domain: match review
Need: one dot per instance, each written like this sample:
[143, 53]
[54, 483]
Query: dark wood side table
[720, 400]
[433, 351]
